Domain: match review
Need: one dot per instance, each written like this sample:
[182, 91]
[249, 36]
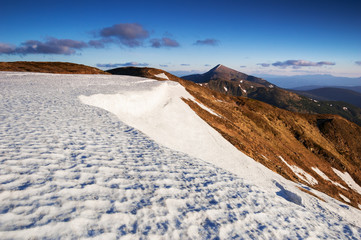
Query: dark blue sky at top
[251, 36]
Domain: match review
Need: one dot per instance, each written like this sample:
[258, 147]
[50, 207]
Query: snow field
[70, 170]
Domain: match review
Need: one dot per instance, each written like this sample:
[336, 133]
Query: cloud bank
[127, 64]
[50, 46]
[126, 34]
[301, 63]
[129, 34]
[208, 41]
[6, 48]
[357, 62]
[264, 64]
[164, 42]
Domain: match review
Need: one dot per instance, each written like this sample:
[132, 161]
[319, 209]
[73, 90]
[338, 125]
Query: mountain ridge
[295, 81]
[333, 94]
[49, 67]
[234, 83]
[312, 87]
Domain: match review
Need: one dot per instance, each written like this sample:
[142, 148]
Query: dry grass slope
[49, 67]
[265, 133]
[142, 72]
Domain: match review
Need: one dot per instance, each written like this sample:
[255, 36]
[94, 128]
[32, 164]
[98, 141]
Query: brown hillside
[265, 133]
[49, 67]
[234, 83]
[141, 72]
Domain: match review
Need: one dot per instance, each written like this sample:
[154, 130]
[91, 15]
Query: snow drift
[160, 113]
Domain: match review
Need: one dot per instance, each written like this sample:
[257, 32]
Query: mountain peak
[221, 68]
[216, 67]
[221, 72]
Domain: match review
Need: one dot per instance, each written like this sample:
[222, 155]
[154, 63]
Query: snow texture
[70, 170]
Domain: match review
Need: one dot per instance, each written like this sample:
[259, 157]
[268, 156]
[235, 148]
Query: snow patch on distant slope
[162, 75]
[324, 176]
[301, 173]
[344, 198]
[205, 107]
[348, 180]
[319, 172]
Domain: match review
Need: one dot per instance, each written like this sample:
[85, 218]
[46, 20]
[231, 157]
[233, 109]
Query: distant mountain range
[312, 80]
[311, 87]
[327, 91]
[234, 83]
[333, 94]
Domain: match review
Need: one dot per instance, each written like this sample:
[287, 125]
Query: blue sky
[253, 36]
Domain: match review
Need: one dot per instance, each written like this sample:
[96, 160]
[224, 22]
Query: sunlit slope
[313, 143]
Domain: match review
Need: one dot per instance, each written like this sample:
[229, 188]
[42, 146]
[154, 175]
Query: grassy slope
[49, 67]
[288, 100]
